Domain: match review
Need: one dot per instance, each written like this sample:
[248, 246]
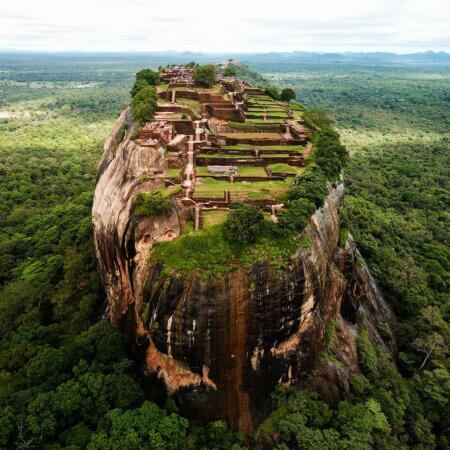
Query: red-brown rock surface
[219, 347]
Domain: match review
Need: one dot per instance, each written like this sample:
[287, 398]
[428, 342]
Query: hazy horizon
[221, 53]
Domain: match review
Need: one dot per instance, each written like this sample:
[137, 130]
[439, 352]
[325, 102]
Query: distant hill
[297, 57]
[383, 58]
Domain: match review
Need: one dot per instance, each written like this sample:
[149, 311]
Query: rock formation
[220, 346]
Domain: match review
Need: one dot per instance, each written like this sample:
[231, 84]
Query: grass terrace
[267, 102]
[259, 97]
[282, 114]
[278, 151]
[254, 190]
[163, 86]
[268, 108]
[262, 127]
[182, 88]
[224, 155]
[251, 171]
[285, 168]
[244, 171]
[166, 192]
[202, 171]
[173, 172]
[262, 114]
[289, 148]
[169, 115]
[253, 135]
[193, 105]
[214, 89]
[210, 254]
[263, 101]
[213, 217]
[297, 115]
[269, 121]
[278, 155]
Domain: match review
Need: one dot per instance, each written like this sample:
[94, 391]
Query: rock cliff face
[219, 347]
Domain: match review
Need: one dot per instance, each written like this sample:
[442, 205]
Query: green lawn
[168, 191]
[211, 218]
[263, 102]
[268, 108]
[243, 156]
[223, 155]
[211, 255]
[182, 88]
[174, 172]
[276, 114]
[254, 114]
[208, 253]
[260, 97]
[252, 171]
[193, 105]
[202, 171]
[278, 155]
[253, 135]
[237, 147]
[264, 122]
[269, 112]
[290, 148]
[260, 126]
[285, 168]
[209, 187]
[215, 89]
[273, 153]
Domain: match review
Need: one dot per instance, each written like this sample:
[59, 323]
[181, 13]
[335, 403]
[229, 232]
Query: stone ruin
[192, 141]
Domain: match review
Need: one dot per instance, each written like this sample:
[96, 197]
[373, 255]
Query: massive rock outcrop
[220, 346]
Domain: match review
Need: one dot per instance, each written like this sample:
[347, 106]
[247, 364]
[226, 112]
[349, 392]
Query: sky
[401, 26]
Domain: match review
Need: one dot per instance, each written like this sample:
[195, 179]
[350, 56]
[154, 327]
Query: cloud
[234, 26]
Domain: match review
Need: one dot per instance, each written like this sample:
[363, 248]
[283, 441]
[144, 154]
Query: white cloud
[229, 26]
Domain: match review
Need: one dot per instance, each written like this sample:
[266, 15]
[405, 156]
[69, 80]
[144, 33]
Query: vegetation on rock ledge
[151, 205]
[143, 96]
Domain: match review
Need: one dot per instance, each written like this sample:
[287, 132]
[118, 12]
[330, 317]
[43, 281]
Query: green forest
[68, 379]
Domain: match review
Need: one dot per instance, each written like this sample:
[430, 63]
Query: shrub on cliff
[312, 186]
[144, 104]
[230, 71]
[273, 92]
[149, 76]
[243, 224]
[152, 205]
[329, 153]
[317, 118]
[137, 86]
[287, 94]
[298, 215]
[205, 76]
